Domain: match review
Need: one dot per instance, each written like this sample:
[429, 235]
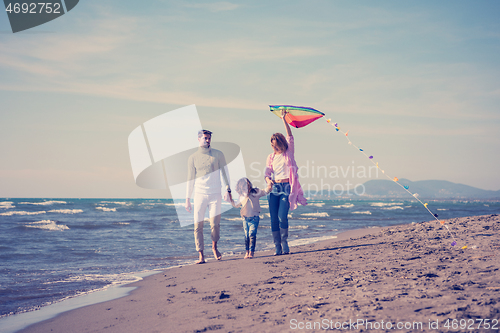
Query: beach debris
[192, 290]
[223, 295]
[318, 305]
[429, 275]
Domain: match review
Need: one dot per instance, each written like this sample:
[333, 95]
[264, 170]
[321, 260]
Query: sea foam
[392, 208]
[385, 204]
[47, 225]
[367, 212]
[44, 203]
[318, 214]
[348, 205]
[66, 211]
[316, 204]
[22, 213]
[6, 204]
[117, 203]
[106, 209]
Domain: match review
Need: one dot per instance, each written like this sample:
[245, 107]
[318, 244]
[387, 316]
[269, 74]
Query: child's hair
[245, 187]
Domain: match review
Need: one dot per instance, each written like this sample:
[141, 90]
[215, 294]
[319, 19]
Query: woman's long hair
[280, 141]
[245, 187]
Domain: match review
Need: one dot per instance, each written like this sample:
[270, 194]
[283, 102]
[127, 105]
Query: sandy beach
[406, 278]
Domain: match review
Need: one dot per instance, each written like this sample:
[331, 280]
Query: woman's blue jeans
[279, 205]
[250, 225]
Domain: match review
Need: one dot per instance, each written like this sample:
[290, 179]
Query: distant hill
[432, 189]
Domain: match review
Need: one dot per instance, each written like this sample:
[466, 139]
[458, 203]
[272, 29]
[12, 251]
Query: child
[250, 209]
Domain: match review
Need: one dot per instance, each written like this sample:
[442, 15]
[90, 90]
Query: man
[204, 172]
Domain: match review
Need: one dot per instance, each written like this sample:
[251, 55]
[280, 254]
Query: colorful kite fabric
[297, 116]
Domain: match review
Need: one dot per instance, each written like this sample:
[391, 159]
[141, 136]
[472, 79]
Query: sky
[417, 84]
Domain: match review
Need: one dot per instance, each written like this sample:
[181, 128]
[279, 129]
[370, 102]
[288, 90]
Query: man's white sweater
[204, 169]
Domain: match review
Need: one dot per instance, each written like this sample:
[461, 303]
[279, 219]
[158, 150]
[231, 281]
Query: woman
[281, 171]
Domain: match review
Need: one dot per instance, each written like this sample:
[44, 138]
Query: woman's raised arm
[287, 127]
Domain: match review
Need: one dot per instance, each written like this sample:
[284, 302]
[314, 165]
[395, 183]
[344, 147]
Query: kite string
[396, 180]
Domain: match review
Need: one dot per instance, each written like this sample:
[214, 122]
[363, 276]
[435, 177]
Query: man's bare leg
[217, 254]
[202, 258]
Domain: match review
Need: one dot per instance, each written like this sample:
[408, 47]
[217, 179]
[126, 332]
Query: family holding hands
[283, 192]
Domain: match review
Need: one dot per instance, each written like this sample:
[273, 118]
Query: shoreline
[354, 267]
[19, 321]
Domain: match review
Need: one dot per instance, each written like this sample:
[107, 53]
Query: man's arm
[225, 176]
[224, 171]
[190, 182]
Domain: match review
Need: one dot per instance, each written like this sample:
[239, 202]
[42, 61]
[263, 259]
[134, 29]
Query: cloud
[136, 59]
[118, 59]
[215, 7]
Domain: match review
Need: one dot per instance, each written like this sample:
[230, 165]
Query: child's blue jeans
[250, 225]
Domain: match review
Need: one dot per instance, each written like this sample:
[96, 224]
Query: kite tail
[396, 180]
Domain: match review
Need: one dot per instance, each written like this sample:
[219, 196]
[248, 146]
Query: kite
[297, 116]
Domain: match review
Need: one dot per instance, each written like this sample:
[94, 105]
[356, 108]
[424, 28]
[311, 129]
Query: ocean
[54, 249]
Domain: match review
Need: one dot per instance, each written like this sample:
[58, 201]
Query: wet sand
[399, 276]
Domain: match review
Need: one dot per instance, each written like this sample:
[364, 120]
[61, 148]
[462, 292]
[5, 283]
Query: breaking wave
[47, 225]
[318, 214]
[106, 209]
[348, 205]
[22, 213]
